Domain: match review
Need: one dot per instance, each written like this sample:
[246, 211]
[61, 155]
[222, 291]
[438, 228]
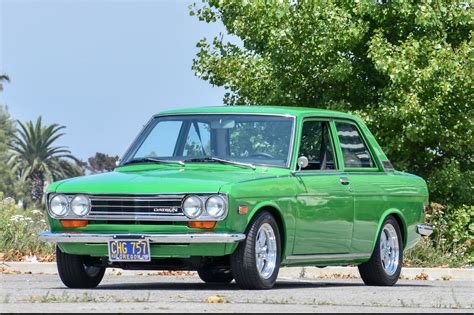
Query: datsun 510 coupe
[237, 192]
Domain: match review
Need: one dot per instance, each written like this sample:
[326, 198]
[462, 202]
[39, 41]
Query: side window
[317, 146]
[354, 151]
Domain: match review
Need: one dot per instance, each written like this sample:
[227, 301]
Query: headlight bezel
[71, 205]
[50, 207]
[224, 206]
[204, 214]
[200, 201]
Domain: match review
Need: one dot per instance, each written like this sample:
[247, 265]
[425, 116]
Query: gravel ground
[152, 293]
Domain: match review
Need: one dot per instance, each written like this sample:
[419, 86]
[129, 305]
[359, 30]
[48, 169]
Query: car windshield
[215, 138]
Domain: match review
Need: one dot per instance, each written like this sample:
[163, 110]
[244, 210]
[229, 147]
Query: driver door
[326, 208]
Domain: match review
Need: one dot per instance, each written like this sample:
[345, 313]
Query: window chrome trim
[333, 144]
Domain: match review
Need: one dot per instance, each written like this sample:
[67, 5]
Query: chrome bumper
[424, 229]
[47, 236]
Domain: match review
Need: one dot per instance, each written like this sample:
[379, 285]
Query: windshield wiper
[148, 159]
[211, 158]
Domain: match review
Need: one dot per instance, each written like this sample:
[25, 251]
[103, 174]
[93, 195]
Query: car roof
[277, 110]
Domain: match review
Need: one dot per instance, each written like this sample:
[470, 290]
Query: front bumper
[189, 238]
[424, 229]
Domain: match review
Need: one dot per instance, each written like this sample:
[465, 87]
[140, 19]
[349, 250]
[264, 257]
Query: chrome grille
[137, 207]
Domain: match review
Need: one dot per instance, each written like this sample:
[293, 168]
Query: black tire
[211, 274]
[76, 272]
[243, 260]
[373, 272]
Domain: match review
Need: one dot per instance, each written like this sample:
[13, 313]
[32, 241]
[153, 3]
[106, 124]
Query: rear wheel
[385, 265]
[256, 261]
[77, 271]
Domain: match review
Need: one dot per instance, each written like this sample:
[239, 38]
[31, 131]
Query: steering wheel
[262, 154]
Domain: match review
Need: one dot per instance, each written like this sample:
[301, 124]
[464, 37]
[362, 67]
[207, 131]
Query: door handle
[344, 180]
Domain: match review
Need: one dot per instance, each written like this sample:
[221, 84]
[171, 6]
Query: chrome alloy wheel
[266, 251]
[389, 249]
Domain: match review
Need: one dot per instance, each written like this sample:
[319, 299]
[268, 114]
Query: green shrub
[453, 229]
[451, 242]
[19, 230]
[426, 254]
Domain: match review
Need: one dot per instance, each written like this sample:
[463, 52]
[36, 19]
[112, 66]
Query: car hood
[162, 179]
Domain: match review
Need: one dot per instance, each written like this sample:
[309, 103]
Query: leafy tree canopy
[101, 162]
[404, 66]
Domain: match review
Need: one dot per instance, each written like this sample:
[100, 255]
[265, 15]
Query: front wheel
[256, 261]
[213, 274]
[77, 272]
[385, 265]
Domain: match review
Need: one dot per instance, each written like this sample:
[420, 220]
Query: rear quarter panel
[395, 193]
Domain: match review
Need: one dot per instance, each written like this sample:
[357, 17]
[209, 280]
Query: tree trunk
[37, 187]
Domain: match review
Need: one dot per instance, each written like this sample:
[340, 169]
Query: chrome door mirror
[302, 162]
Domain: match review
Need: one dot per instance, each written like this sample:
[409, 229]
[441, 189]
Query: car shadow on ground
[191, 286]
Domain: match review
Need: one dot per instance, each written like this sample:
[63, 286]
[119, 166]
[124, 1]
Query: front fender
[284, 219]
[260, 205]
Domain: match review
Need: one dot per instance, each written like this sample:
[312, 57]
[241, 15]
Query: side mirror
[302, 162]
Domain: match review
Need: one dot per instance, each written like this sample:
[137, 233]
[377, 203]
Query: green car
[237, 192]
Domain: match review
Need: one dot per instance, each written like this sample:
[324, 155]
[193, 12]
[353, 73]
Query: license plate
[129, 250]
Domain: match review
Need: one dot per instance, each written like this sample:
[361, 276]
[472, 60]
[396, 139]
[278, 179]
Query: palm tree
[33, 156]
[3, 77]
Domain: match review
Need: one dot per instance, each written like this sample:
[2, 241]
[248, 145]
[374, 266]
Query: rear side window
[354, 151]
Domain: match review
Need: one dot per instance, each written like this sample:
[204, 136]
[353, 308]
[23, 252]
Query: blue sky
[101, 67]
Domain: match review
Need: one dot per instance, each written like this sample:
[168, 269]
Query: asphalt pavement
[150, 292]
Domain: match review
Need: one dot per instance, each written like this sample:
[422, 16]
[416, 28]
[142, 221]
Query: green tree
[33, 156]
[7, 129]
[101, 162]
[405, 66]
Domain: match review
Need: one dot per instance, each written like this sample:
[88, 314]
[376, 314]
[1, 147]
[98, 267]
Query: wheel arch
[398, 215]
[275, 211]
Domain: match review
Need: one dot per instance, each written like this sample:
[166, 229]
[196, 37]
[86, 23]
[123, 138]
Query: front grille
[136, 207]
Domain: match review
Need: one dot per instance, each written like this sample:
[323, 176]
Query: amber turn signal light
[73, 223]
[243, 209]
[202, 224]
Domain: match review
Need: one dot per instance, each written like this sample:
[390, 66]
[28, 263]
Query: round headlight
[80, 205]
[58, 205]
[215, 206]
[192, 207]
